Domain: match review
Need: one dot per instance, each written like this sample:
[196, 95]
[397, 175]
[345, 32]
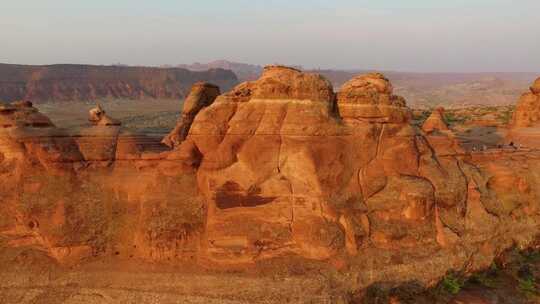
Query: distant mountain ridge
[72, 82]
[420, 89]
[244, 71]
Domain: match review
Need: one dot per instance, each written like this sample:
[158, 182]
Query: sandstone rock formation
[435, 121]
[202, 95]
[22, 113]
[280, 168]
[98, 117]
[525, 124]
[527, 113]
[88, 82]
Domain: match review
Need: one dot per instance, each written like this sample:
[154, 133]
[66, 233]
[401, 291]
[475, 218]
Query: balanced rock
[202, 95]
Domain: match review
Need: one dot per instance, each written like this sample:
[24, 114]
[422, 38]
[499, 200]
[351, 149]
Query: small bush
[528, 286]
[452, 284]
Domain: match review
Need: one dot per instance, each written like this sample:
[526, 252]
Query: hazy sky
[407, 35]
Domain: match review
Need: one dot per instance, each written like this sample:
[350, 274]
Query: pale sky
[403, 35]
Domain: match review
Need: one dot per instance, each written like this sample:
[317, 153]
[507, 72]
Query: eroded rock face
[202, 95]
[280, 167]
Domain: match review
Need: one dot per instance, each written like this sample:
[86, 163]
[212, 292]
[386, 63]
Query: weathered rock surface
[281, 168]
[88, 82]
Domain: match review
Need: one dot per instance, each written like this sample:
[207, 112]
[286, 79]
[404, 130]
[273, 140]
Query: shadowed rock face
[278, 167]
[87, 82]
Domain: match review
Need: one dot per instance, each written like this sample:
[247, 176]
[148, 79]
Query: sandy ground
[123, 282]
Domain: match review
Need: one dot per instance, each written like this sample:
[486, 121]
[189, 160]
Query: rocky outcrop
[435, 121]
[525, 124]
[202, 95]
[277, 169]
[535, 88]
[527, 113]
[89, 82]
[98, 117]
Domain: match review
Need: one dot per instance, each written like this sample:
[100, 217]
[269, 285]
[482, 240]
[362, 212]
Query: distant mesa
[244, 71]
[70, 82]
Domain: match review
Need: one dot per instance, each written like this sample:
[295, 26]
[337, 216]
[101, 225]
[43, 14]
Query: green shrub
[452, 284]
[528, 286]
